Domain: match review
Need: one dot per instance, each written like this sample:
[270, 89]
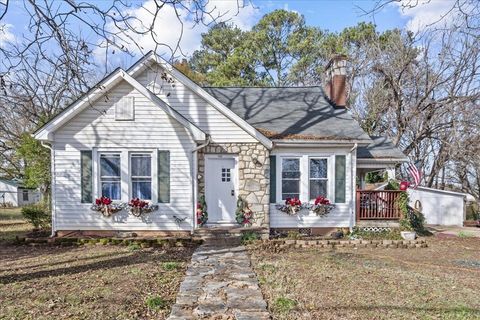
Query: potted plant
[106, 206]
[406, 229]
[139, 207]
[322, 206]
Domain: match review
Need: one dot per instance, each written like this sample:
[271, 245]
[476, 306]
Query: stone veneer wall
[253, 178]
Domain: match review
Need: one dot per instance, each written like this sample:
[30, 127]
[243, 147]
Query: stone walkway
[220, 284]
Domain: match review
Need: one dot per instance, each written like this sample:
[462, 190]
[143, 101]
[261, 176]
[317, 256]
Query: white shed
[440, 207]
[12, 194]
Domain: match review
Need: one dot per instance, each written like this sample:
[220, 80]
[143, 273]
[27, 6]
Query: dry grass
[439, 282]
[12, 224]
[89, 282]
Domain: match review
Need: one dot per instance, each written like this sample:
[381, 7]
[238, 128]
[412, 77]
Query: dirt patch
[89, 282]
[439, 282]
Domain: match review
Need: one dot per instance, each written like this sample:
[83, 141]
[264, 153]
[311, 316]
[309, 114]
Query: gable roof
[302, 113]
[47, 130]
[151, 57]
[12, 182]
[382, 148]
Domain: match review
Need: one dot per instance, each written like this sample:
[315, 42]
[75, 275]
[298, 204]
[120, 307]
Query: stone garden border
[292, 243]
[142, 242]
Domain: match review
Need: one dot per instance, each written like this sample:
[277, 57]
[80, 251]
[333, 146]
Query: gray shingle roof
[295, 112]
[381, 148]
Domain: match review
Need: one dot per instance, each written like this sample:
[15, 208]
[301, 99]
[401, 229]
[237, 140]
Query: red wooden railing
[378, 205]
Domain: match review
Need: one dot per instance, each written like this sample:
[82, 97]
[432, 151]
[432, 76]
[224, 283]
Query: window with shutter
[124, 109]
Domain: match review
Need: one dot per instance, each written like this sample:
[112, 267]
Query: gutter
[52, 196]
[352, 178]
[194, 172]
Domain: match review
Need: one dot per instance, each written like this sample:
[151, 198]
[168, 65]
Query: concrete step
[228, 241]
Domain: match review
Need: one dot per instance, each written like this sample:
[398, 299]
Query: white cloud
[6, 35]
[424, 13]
[167, 28]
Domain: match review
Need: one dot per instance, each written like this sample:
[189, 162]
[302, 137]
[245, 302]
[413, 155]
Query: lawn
[438, 282]
[12, 224]
[86, 282]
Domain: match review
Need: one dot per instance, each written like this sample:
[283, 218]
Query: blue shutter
[273, 179]
[340, 177]
[86, 176]
[163, 163]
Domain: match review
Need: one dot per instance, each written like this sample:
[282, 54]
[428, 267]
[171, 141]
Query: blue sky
[333, 15]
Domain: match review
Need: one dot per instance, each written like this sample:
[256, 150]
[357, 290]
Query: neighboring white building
[440, 207]
[12, 194]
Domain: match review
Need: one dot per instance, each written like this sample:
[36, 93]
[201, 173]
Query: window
[25, 195]
[226, 175]
[141, 175]
[290, 178]
[318, 178]
[110, 178]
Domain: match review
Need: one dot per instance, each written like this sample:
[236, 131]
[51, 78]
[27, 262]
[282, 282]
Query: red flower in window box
[292, 206]
[139, 207]
[322, 206]
[321, 200]
[106, 207]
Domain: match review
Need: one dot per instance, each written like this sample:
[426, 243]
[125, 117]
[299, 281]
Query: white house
[150, 132]
[13, 194]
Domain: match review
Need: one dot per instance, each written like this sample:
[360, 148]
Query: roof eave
[315, 143]
[393, 160]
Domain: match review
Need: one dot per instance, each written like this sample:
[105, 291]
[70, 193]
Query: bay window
[290, 178]
[141, 176]
[110, 175]
[318, 178]
[308, 176]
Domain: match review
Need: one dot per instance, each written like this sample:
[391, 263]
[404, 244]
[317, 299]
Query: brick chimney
[336, 80]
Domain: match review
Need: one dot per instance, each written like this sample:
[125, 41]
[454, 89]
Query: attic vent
[124, 109]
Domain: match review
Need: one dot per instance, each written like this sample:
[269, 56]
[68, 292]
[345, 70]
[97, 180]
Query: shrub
[169, 266]
[249, 236]
[293, 235]
[284, 305]
[463, 234]
[133, 247]
[38, 215]
[155, 303]
[358, 233]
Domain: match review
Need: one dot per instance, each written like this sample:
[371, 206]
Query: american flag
[415, 173]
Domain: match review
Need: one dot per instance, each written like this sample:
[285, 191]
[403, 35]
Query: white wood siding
[8, 194]
[96, 127]
[341, 215]
[194, 108]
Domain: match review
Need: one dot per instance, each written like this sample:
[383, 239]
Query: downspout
[195, 181]
[52, 191]
[353, 175]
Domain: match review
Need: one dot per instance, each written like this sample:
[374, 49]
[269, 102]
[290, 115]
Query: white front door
[220, 188]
